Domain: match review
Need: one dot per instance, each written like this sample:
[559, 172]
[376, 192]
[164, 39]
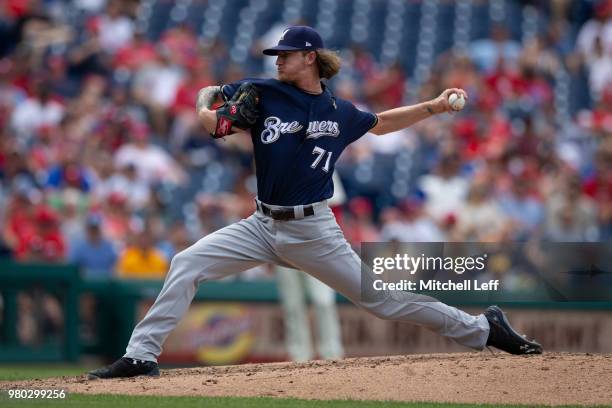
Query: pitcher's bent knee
[188, 263]
[182, 259]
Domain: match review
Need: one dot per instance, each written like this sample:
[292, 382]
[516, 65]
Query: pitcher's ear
[311, 56]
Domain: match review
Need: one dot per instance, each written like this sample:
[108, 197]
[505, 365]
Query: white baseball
[456, 101]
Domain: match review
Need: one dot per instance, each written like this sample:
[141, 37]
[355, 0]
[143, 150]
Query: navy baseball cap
[297, 38]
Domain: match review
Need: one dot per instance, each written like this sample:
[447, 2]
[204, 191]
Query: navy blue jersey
[297, 139]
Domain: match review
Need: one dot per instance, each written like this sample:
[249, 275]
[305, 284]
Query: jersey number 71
[320, 153]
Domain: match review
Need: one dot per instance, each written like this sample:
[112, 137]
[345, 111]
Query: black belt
[284, 214]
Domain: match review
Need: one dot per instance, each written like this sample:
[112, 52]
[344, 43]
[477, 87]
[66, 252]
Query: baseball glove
[240, 111]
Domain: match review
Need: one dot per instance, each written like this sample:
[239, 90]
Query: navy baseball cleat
[126, 367]
[502, 336]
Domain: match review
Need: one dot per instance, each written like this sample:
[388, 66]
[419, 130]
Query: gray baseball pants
[315, 245]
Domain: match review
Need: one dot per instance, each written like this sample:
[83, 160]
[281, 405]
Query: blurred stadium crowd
[103, 164]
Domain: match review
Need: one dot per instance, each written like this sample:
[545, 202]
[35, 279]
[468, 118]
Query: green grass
[119, 401]
[35, 371]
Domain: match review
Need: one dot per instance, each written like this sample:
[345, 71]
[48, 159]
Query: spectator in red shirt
[45, 242]
[136, 54]
[359, 227]
[198, 76]
[48, 149]
[182, 42]
[386, 90]
[18, 220]
[116, 218]
[185, 119]
[599, 188]
[602, 114]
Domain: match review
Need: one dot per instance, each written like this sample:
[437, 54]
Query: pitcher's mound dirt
[550, 379]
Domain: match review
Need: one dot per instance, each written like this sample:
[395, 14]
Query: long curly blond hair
[328, 63]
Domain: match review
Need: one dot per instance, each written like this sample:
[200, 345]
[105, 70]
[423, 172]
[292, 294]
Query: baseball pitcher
[299, 129]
